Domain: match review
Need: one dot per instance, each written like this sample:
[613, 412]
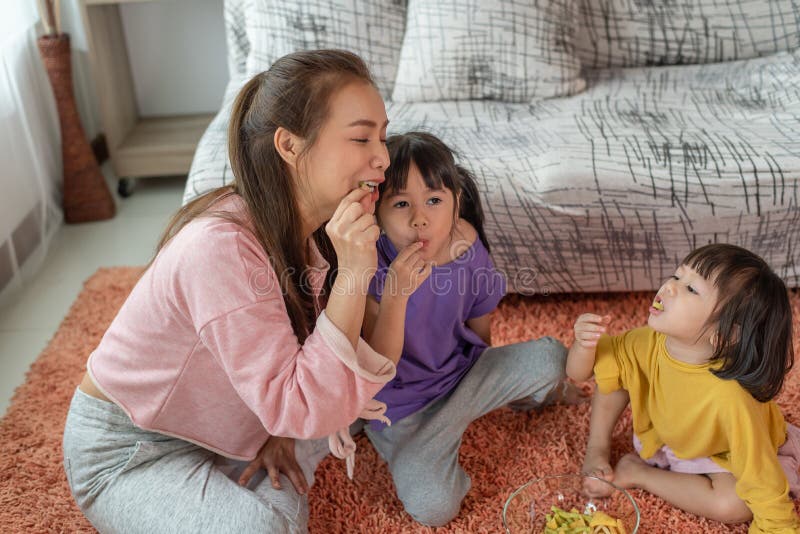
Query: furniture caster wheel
[125, 187]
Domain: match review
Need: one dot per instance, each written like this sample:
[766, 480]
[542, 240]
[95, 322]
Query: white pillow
[632, 33]
[514, 51]
[373, 29]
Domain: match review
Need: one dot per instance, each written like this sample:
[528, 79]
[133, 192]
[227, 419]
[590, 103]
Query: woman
[245, 326]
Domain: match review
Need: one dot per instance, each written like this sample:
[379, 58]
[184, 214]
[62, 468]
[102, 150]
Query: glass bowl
[526, 507]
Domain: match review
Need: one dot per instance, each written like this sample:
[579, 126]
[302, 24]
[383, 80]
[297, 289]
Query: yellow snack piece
[601, 518]
[573, 522]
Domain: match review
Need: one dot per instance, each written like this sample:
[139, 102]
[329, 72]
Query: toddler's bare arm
[606, 410]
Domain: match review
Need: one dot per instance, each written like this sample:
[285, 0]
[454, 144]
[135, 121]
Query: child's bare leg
[712, 496]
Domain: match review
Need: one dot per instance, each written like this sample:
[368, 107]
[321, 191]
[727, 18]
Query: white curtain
[30, 150]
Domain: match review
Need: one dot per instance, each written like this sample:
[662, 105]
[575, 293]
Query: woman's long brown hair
[294, 94]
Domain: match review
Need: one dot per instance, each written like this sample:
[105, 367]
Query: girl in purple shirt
[428, 311]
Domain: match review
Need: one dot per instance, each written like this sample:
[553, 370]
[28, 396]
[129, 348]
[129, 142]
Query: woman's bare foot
[629, 471]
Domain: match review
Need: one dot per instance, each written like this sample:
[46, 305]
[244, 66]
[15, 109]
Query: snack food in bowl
[558, 504]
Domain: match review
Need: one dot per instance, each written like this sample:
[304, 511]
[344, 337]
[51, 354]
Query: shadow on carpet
[500, 451]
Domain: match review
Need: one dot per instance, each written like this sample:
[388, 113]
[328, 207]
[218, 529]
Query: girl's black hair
[754, 333]
[436, 162]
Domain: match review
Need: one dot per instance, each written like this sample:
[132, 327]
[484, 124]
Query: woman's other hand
[277, 456]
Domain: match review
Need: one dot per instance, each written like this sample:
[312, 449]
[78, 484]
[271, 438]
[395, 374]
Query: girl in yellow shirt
[700, 379]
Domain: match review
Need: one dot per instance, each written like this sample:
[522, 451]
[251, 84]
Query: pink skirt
[788, 456]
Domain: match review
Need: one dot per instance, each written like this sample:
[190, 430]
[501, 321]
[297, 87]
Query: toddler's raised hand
[407, 272]
[588, 329]
[580, 360]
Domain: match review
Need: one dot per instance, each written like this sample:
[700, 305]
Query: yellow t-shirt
[696, 414]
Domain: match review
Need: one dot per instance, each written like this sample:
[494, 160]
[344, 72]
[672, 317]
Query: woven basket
[86, 196]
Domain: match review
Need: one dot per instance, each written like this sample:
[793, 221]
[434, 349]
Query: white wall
[177, 53]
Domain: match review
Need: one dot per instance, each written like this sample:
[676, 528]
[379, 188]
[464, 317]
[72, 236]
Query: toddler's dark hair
[754, 336]
[436, 163]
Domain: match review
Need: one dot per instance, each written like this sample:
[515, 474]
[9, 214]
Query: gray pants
[422, 449]
[126, 479]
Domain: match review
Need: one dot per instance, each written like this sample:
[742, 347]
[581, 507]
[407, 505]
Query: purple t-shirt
[438, 347]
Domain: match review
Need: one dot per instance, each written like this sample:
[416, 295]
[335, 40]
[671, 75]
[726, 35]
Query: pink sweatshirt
[203, 349]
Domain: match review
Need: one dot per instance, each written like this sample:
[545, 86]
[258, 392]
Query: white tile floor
[30, 316]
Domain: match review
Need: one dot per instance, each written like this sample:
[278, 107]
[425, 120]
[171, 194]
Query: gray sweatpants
[126, 479]
[422, 449]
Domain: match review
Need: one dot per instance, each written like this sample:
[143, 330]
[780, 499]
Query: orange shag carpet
[500, 451]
